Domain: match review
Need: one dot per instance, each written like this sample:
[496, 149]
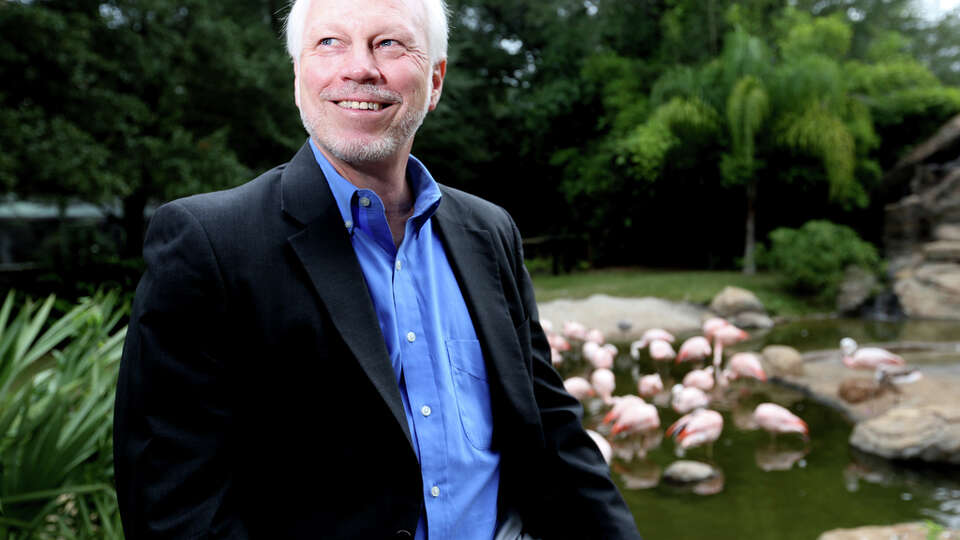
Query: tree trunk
[749, 264]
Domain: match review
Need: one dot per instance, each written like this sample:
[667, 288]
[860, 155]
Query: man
[341, 348]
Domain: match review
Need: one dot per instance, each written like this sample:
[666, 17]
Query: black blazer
[256, 398]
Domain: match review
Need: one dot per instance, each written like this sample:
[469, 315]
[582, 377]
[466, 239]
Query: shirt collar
[426, 192]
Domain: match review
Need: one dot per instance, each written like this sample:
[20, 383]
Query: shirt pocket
[472, 391]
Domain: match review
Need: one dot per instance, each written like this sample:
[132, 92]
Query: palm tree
[796, 102]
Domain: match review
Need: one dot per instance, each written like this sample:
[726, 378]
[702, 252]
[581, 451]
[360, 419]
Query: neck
[386, 178]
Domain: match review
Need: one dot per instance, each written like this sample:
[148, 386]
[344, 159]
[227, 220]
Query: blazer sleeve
[174, 408]
[591, 503]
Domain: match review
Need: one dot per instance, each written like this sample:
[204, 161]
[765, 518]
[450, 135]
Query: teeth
[361, 105]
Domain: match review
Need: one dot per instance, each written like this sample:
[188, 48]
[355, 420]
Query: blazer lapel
[475, 263]
[323, 247]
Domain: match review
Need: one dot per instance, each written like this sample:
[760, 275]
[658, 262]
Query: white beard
[359, 152]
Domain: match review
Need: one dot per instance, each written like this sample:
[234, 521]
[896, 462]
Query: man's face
[364, 81]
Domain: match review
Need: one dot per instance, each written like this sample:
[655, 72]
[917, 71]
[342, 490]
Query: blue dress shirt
[435, 355]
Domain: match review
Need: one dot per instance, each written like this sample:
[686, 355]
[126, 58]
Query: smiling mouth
[362, 105]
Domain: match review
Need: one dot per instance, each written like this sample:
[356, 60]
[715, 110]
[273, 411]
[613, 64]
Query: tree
[140, 101]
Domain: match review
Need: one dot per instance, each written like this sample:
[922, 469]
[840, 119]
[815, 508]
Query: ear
[439, 72]
[296, 83]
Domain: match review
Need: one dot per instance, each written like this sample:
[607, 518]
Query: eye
[326, 42]
[388, 43]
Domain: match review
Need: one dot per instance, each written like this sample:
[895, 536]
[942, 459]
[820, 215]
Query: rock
[733, 300]
[948, 232]
[779, 360]
[929, 433]
[859, 390]
[752, 320]
[857, 286]
[942, 251]
[903, 531]
[608, 314]
[931, 291]
[686, 471]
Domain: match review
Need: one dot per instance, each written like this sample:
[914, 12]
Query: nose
[361, 66]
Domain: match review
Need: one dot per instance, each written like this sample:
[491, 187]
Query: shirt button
[364, 201]
[411, 337]
[425, 410]
[398, 265]
[435, 491]
[348, 223]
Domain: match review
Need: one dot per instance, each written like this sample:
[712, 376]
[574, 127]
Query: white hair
[438, 28]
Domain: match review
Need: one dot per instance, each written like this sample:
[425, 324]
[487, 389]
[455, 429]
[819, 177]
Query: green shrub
[57, 383]
[812, 259]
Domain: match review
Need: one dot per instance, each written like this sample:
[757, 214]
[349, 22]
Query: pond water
[777, 488]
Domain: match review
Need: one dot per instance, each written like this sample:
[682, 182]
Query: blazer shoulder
[475, 211]
[239, 200]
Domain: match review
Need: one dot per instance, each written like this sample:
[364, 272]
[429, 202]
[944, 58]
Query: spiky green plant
[57, 382]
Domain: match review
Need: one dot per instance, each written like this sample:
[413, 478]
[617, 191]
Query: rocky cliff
[922, 230]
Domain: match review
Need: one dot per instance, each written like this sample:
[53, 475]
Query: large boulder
[947, 233]
[928, 433]
[942, 251]
[930, 291]
[625, 318]
[780, 360]
[752, 319]
[857, 287]
[903, 531]
[734, 300]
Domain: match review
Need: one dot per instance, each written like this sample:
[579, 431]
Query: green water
[828, 485]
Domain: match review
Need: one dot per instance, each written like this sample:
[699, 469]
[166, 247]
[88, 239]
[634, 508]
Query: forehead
[369, 15]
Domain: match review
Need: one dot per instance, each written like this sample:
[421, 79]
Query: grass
[697, 286]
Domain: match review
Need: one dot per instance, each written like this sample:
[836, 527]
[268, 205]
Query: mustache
[366, 92]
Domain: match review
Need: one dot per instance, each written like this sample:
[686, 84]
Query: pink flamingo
[647, 338]
[555, 357]
[602, 444]
[867, 357]
[745, 364]
[558, 342]
[574, 330]
[699, 427]
[620, 404]
[723, 336]
[578, 387]
[604, 382]
[700, 378]
[603, 357]
[637, 417]
[776, 419]
[589, 349]
[694, 349]
[650, 385]
[687, 398]
[711, 325]
[595, 335]
[661, 351]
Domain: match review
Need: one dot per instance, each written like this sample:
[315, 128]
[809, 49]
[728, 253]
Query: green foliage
[824, 135]
[648, 145]
[826, 36]
[813, 258]
[57, 382]
[140, 101]
[747, 108]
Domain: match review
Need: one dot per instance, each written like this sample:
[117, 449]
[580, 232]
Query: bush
[813, 258]
[57, 383]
